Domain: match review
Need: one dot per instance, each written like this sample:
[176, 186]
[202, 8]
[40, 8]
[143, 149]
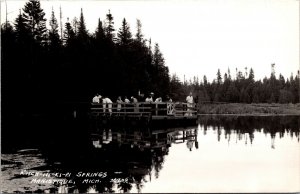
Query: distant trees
[99, 34]
[139, 36]
[54, 39]
[68, 35]
[124, 35]
[109, 28]
[243, 88]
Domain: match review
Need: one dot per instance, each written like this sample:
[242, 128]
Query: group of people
[99, 99]
[107, 102]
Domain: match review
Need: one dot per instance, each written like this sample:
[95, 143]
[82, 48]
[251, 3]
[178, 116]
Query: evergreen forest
[49, 65]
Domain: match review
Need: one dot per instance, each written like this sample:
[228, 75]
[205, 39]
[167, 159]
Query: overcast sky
[199, 37]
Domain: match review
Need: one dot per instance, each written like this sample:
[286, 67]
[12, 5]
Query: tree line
[41, 66]
[242, 88]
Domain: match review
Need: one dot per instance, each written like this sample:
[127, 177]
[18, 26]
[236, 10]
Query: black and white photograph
[150, 96]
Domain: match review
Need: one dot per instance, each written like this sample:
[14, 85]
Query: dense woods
[41, 65]
[243, 88]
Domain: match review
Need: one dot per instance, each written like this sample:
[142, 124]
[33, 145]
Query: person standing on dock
[126, 100]
[135, 104]
[149, 99]
[190, 101]
[134, 100]
[126, 105]
[159, 99]
[119, 103]
[97, 98]
[170, 105]
[108, 102]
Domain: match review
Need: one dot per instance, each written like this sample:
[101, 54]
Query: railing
[144, 108]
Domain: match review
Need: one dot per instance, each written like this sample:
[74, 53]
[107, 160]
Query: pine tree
[53, 23]
[176, 89]
[109, 28]
[158, 59]
[69, 34]
[205, 80]
[281, 81]
[251, 75]
[294, 87]
[33, 15]
[7, 33]
[54, 39]
[139, 36]
[160, 73]
[273, 86]
[82, 31]
[124, 34]
[99, 35]
[22, 31]
[225, 86]
[219, 77]
[228, 73]
[75, 25]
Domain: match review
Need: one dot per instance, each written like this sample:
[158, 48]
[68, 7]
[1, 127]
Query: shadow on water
[117, 159]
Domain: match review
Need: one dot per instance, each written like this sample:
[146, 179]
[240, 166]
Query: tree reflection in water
[245, 126]
[129, 157]
[132, 156]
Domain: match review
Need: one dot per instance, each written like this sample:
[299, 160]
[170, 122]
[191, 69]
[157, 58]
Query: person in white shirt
[159, 99]
[126, 100]
[190, 101]
[134, 100]
[107, 101]
[96, 98]
[149, 99]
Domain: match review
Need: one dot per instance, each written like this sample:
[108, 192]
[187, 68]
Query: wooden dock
[144, 113]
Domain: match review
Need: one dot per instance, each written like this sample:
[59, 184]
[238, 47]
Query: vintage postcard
[158, 96]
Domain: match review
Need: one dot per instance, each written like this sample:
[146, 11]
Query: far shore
[242, 109]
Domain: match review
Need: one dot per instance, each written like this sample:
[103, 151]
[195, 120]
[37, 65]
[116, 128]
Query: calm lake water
[221, 154]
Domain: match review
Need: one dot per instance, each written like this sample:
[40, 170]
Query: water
[221, 154]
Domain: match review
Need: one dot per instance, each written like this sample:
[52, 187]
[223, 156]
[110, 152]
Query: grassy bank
[250, 109]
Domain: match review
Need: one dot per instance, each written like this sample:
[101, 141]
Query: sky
[198, 37]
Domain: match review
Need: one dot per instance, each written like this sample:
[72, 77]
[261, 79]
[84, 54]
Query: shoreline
[247, 115]
[257, 109]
